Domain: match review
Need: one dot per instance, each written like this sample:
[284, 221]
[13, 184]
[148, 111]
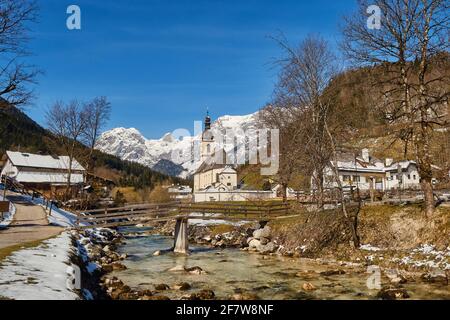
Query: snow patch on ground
[369, 247]
[212, 222]
[427, 256]
[39, 273]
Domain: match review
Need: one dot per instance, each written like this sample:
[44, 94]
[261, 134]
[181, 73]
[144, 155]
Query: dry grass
[384, 226]
[132, 195]
[221, 228]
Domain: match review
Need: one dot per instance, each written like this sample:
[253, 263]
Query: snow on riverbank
[39, 273]
[7, 217]
[212, 222]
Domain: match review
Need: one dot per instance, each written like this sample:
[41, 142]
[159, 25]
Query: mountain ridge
[130, 144]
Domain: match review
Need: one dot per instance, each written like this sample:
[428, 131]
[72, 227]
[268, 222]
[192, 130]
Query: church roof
[212, 163]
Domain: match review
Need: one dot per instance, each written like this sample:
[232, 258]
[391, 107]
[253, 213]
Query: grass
[221, 228]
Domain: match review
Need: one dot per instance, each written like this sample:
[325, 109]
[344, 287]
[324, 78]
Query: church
[213, 174]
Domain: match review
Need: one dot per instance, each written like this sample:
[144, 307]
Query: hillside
[356, 110]
[20, 132]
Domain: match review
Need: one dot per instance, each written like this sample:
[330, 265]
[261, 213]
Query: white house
[365, 172]
[41, 171]
[180, 192]
[403, 174]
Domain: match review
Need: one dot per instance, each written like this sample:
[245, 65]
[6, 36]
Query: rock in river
[195, 270]
[262, 233]
[182, 286]
[162, 287]
[332, 272]
[244, 296]
[254, 243]
[307, 286]
[436, 276]
[392, 293]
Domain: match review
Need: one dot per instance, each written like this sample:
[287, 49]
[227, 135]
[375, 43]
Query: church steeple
[207, 121]
[207, 144]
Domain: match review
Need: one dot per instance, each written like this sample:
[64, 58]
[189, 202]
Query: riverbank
[403, 255]
[400, 246]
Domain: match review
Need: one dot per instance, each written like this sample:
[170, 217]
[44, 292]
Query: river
[231, 271]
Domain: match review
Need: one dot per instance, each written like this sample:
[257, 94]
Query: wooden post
[4, 190]
[51, 205]
[181, 242]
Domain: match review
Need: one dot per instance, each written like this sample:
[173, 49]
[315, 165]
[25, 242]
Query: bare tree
[413, 36]
[67, 122]
[306, 72]
[97, 113]
[281, 117]
[15, 75]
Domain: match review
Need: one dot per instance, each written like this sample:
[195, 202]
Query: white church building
[215, 180]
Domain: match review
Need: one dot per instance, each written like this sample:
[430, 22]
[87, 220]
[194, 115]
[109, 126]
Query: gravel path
[30, 224]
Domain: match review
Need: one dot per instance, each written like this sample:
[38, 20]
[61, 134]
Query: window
[414, 177]
[356, 178]
[346, 178]
[229, 184]
[208, 148]
[409, 177]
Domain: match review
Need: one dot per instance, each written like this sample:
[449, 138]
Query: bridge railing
[238, 210]
[135, 214]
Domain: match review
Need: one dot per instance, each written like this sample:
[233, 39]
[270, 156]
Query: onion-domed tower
[207, 145]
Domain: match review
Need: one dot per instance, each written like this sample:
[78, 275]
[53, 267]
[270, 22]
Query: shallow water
[231, 271]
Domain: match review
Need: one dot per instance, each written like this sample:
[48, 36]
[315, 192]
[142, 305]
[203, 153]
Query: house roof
[358, 166]
[20, 159]
[347, 163]
[228, 170]
[403, 165]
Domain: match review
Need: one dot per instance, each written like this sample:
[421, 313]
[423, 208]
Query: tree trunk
[284, 187]
[320, 196]
[352, 222]
[427, 188]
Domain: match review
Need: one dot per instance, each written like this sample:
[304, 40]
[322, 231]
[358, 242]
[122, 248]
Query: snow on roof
[403, 165]
[358, 166]
[20, 159]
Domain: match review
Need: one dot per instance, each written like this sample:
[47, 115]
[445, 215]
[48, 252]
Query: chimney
[389, 162]
[365, 155]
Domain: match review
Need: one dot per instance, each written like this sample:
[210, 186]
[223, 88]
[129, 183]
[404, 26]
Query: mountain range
[129, 144]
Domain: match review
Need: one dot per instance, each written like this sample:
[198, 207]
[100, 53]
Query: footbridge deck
[181, 213]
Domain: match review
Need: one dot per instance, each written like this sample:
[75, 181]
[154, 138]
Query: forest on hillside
[18, 132]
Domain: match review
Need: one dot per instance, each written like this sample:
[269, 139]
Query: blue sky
[162, 62]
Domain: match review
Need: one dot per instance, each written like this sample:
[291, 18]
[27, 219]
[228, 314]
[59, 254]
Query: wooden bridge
[180, 212]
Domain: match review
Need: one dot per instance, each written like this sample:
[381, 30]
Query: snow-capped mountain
[130, 144]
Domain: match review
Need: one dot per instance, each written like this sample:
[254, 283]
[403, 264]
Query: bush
[159, 195]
